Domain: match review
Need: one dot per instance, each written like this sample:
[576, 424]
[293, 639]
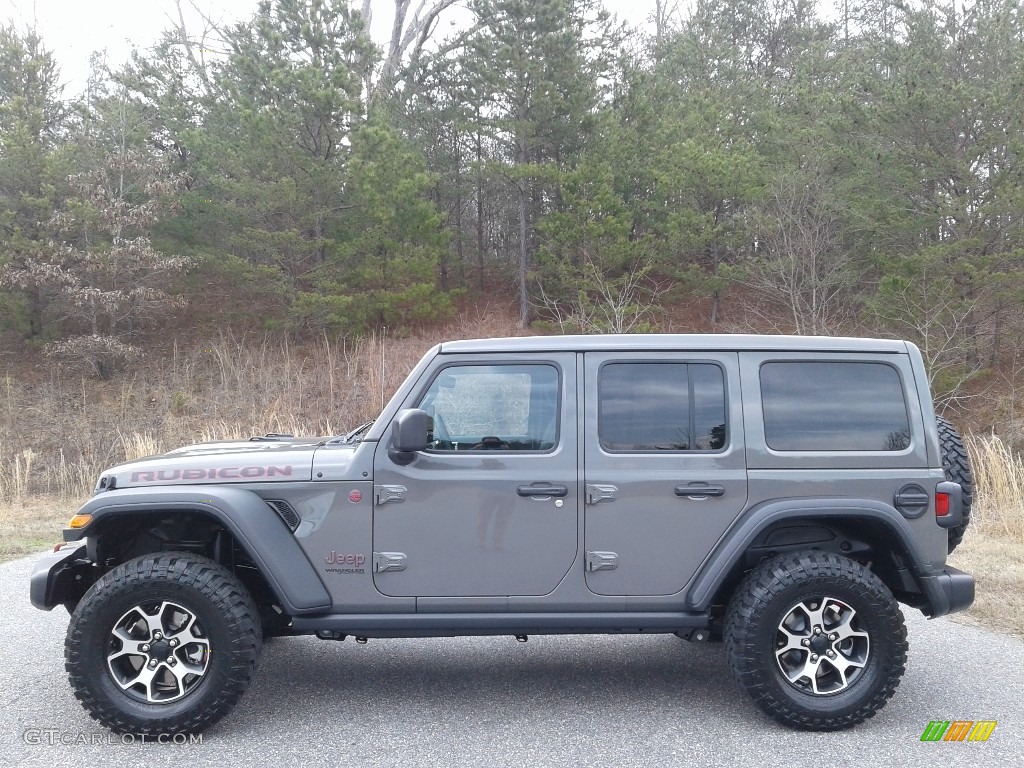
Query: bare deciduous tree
[799, 258]
[409, 34]
[926, 306]
[100, 270]
[665, 16]
[606, 304]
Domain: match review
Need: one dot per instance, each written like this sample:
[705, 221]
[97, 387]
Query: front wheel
[816, 640]
[166, 643]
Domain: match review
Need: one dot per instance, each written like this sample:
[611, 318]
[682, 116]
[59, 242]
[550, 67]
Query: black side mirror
[410, 432]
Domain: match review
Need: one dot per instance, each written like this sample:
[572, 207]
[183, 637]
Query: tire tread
[210, 580]
[956, 464]
[747, 612]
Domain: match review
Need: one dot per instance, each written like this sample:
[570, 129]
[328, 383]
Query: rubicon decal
[958, 730]
[214, 473]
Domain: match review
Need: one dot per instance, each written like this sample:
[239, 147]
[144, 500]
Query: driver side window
[494, 408]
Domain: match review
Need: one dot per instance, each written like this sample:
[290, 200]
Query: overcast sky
[73, 29]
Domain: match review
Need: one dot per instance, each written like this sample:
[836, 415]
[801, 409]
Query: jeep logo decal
[345, 559]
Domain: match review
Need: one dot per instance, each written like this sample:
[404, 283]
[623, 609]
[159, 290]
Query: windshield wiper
[354, 435]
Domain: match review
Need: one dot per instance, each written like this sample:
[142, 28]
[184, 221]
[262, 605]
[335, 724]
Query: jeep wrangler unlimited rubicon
[780, 493]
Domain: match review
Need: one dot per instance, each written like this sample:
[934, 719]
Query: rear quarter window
[834, 406]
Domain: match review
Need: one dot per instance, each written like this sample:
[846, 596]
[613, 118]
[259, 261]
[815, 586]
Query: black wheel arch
[867, 531]
[232, 526]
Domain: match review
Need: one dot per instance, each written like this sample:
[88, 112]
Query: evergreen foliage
[785, 168]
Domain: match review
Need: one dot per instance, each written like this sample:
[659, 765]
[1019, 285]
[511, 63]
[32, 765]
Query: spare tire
[957, 466]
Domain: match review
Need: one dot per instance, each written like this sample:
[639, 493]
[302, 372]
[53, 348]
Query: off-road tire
[773, 592]
[220, 610]
[957, 465]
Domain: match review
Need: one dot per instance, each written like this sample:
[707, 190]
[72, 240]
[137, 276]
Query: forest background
[260, 226]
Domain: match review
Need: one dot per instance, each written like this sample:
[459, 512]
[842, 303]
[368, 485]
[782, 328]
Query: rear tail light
[942, 504]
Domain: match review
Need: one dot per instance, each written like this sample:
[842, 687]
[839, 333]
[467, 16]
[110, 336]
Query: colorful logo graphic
[958, 730]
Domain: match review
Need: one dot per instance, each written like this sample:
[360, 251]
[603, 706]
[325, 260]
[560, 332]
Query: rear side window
[842, 406]
[650, 407]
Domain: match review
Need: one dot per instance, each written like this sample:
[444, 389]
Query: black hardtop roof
[671, 342]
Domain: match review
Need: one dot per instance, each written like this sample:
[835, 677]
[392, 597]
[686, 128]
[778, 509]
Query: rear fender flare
[744, 533]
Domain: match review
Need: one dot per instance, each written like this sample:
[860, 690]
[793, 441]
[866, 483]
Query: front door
[491, 508]
[664, 466]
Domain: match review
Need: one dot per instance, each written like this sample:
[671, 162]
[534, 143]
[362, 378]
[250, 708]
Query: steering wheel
[491, 443]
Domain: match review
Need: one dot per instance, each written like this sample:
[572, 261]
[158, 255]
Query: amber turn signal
[80, 521]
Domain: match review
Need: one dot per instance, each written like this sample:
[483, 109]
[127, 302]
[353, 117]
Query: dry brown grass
[34, 524]
[59, 433]
[996, 562]
[993, 549]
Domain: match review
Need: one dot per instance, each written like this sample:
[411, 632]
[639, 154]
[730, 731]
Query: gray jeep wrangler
[780, 493]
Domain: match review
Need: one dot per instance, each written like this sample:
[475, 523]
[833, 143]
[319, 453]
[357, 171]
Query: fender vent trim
[285, 512]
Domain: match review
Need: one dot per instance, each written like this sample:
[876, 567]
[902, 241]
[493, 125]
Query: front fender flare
[255, 526]
[753, 522]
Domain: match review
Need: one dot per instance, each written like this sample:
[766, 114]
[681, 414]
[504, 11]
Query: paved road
[560, 701]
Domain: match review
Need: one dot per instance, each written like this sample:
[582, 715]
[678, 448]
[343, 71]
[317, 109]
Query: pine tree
[34, 119]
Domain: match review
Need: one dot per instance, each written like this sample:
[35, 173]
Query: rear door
[663, 466]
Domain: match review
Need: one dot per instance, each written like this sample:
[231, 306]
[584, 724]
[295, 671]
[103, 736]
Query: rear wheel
[161, 644]
[816, 640]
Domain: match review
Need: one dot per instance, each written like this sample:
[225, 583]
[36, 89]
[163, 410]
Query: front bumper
[57, 576]
[948, 592]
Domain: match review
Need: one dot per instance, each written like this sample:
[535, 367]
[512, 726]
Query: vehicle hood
[227, 462]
